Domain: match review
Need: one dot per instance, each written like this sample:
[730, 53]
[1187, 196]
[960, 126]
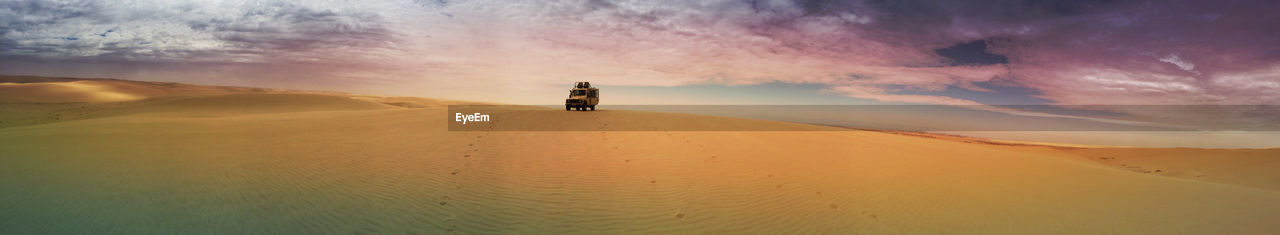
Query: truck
[582, 97]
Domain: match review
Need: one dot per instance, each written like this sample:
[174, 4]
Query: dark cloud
[1068, 51]
[599, 4]
[1065, 51]
[261, 44]
[289, 29]
[828, 7]
[272, 32]
[971, 53]
[433, 3]
[23, 15]
[1074, 51]
[20, 16]
[993, 10]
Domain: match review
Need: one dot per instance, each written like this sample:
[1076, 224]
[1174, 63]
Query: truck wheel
[567, 108]
[593, 108]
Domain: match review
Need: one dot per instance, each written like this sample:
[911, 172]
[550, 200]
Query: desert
[119, 156]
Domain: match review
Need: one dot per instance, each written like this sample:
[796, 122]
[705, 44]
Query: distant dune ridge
[116, 156]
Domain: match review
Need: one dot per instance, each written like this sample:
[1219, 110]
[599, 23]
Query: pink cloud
[1075, 52]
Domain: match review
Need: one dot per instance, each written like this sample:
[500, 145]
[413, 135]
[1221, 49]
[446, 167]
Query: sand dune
[1246, 167]
[62, 92]
[28, 89]
[241, 104]
[280, 162]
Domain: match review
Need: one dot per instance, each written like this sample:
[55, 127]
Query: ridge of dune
[30, 100]
[31, 89]
[20, 114]
[240, 104]
[62, 92]
[1243, 167]
[1246, 167]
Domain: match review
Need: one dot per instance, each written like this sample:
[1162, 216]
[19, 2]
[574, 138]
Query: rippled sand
[331, 163]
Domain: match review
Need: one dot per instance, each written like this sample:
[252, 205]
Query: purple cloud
[1068, 52]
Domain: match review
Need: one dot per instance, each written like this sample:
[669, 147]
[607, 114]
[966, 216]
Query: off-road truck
[582, 97]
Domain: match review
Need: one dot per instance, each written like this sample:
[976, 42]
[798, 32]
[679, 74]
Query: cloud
[880, 94]
[971, 53]
[1175, 60]
[1094, 52]
[271, 32]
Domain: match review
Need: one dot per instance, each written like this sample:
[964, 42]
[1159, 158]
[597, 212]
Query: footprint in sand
[653, 181]
[455, 172]
[450, 225]
[833, 206]
[466, 155]
[444, 203]
[471, 144]
[679, 215]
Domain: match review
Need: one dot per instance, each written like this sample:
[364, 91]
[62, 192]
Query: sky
[673, 52]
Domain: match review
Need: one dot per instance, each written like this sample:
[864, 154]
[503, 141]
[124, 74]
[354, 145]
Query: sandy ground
[238, 160]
